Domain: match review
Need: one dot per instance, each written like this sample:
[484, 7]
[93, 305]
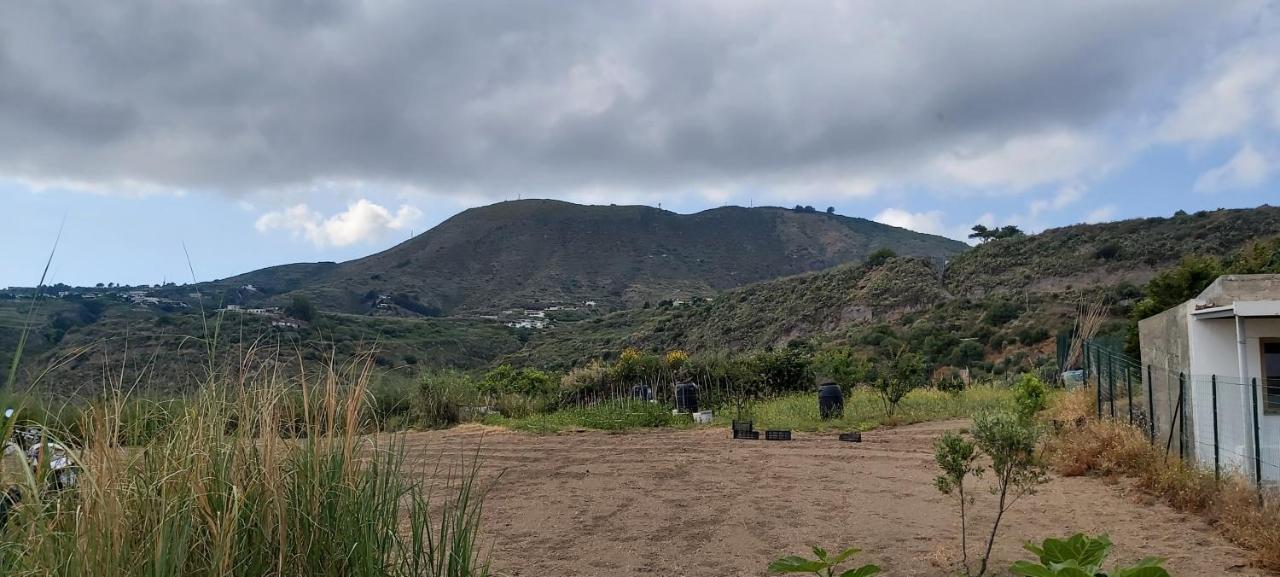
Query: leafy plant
[824, 565]
[906, 371]
[1030, 396]
[1081, 556]
[958, 459]
[1010, 442]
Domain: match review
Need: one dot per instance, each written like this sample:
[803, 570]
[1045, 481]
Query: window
[1271, 376]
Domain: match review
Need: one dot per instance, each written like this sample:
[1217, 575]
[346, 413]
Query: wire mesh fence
[1215, 421]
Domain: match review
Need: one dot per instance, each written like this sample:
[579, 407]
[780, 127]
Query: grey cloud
[496, 97]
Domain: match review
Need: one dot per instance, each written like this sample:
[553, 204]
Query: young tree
[902, 374]
[1010, 442]
[958, 459]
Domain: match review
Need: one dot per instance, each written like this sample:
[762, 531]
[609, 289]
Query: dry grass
[1232, 504]
[244, 482]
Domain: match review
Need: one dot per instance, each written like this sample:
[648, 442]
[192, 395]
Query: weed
[823, 565]
[1081, 556]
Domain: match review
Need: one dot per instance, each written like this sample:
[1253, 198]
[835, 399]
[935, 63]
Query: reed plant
[267, 474]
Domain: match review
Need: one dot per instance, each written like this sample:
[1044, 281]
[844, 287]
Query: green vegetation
[225, 491]
[864, 410]
[1010, 442]
[1081, 556]
[823, 564]
[958, 459]
[984, 234]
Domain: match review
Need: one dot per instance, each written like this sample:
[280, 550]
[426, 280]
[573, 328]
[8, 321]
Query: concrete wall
[1250, 287]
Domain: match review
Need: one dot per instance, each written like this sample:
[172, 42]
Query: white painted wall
[1213, 351]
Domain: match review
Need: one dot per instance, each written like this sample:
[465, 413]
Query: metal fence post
[1111, 382]
[1097, 367]
[1217, 467]
[1151, 404]
[1128, 389]
[1257, 442]
[1182, 416]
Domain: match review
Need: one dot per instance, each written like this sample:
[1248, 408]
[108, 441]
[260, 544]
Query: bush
[1030, 396]
[443, 399]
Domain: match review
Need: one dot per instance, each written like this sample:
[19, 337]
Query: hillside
[1009, 296]
[1107, 253]
[535, 253]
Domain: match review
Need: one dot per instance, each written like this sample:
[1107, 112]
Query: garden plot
[695, 503]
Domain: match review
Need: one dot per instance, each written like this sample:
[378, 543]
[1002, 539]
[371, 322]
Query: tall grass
[266, 476]
[1112, 449]
[863, 409]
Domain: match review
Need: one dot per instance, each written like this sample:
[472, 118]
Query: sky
[170, 140]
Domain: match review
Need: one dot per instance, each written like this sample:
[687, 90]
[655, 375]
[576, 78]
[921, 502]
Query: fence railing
[1212, 420]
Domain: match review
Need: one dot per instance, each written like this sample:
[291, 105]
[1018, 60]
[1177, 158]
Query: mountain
[535, 253]
[1001, 302]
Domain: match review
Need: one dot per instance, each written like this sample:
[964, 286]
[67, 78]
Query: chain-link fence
[1213, 420]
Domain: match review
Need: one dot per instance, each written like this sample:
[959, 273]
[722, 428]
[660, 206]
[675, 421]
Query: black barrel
[830, 401]
[642, 392]
[687, 398]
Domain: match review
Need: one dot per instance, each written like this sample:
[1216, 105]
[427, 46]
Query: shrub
[1010, 442]
[902, 374]
[1030, 396]
[443, 398]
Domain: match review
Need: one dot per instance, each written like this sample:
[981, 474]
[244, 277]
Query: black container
[687, 398]
[642, 392]
[854, 437]
[830, 401]
[777, 435]
[748, 435]
[747, 426]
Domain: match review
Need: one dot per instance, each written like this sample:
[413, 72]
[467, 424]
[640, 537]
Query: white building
[1222, 347]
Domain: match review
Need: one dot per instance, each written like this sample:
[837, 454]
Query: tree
[301, 309]
[906, 371]
[984, 234]
[958, 459]
[842, 366]
[881, 256]
[831, 210]
[1010, 442]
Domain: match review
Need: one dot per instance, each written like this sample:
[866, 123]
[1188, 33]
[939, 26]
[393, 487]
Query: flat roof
[1243, 309]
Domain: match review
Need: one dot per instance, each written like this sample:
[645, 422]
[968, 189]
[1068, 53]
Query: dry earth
[696, 503]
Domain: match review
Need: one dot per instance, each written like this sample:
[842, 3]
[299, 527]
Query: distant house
[1215, 348]
[287, 324]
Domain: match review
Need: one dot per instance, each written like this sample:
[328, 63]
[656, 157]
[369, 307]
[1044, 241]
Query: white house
[1222, 342]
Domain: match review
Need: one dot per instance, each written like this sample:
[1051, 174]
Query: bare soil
[698, 503]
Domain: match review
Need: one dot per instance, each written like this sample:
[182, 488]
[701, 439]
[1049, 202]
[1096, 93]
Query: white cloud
[927, 222]
[363, 221]
[1102, 214]
[1066, 196]
[1230, 99]
[1022, 161]
[1246, 169]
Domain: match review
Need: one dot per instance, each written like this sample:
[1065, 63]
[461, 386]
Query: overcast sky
[260, 133]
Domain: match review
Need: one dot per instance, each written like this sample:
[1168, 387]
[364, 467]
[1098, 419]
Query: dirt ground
[697, 503]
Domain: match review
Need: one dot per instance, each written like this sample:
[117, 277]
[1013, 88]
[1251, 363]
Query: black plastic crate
[777, 435]
[751, 435]
[854, 437]
[746, 426]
